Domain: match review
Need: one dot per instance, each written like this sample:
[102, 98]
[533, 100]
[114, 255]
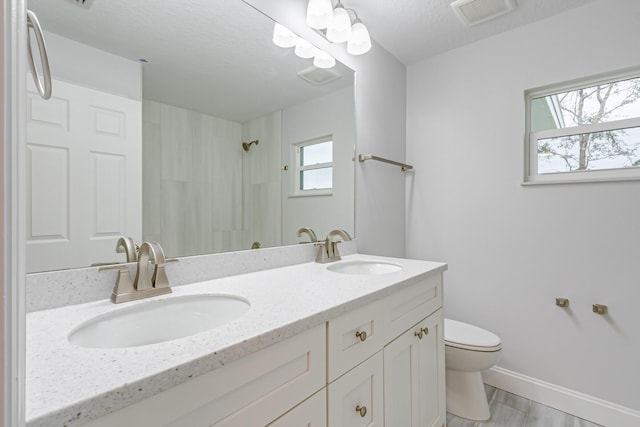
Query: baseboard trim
[572, 402]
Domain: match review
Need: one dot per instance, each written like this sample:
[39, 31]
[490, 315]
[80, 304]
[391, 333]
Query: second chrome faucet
[328, 250]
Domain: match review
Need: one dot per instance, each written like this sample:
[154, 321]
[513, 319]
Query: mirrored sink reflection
[364, 267]
[158, 321]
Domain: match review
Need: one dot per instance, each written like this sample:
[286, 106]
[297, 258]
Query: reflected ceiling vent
[473, 12]
[318, 76]
[83, 3]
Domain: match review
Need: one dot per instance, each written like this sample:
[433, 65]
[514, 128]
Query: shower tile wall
[261, 177]
[192, 181]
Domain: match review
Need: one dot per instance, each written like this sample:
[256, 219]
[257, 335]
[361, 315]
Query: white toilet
[468, 351]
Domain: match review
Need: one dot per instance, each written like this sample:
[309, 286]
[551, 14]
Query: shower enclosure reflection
[191, 141]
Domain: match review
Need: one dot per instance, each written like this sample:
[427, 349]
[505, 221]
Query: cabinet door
[414, 386]
[355, 399]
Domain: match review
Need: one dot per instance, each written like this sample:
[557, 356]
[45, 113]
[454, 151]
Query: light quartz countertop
[67, 385]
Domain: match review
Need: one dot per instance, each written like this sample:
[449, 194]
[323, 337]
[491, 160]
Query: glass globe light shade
[304, 49]
[283, 37]
[360, 42]
[339, 29]
[319, 13]
[323, 60]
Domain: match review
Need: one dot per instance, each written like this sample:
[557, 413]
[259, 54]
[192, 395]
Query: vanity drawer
[256, 389]
[356, 398]
[404, 309]
[353, 337]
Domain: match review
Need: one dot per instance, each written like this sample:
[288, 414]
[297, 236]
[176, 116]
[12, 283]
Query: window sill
[313, 194]
[583, 178]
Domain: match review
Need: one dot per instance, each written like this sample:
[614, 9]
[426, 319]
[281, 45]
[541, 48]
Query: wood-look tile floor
[509, 410]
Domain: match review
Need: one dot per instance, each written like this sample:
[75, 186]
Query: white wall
[81, 64]
[512, 249]
[380, 128]
[328, 115]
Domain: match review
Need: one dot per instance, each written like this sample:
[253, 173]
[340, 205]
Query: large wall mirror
[181, 122]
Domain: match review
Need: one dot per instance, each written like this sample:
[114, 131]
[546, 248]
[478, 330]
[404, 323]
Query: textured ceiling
[216, 56]
[212, 56]
[415, 29]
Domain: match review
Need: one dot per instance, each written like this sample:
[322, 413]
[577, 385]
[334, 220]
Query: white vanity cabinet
[378, 365]
[253, 391]
[396, 370]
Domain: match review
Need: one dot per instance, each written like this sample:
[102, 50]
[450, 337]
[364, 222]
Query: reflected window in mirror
[314, 167]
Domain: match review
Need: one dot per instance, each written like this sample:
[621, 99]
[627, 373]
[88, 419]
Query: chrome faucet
[127, 246]
[144, 285]
[309, 232]
[328, 250]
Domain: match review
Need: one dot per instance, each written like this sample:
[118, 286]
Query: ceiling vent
[318, 76]
[473, 12]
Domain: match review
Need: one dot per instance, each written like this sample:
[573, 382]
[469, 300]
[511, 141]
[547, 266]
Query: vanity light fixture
[323, 60]
[360, 41]
[319, 13]
[339, 28]
[335, 23]
[283, 37]
[304, 49]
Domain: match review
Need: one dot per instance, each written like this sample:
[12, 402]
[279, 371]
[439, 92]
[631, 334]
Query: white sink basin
[158, 321]
[364, 267]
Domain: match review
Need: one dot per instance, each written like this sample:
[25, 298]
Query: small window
[314, 167]
[584, 132]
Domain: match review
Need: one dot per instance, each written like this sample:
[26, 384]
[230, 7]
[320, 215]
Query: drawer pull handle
[421, 332]
[362, 410]
[363, 336]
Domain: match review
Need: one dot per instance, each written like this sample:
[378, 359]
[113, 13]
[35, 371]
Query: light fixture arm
[355, 15]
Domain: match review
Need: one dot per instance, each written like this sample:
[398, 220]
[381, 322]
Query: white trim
[14, 129]
[570, 401]
[587, 128]
[541, 92]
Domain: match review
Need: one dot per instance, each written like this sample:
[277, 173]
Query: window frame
[299, 168]
[531, 175]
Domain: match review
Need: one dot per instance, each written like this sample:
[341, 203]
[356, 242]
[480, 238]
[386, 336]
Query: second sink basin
[158, 321]
[364, 267]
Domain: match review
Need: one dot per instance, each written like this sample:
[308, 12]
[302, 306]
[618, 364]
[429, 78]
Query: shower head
[247, 145]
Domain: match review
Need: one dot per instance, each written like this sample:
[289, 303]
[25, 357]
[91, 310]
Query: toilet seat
[468, 337]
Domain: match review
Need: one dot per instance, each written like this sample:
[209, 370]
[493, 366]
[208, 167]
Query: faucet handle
[123, 286]
[159, 278]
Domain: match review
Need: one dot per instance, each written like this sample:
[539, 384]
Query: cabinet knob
[363, 336]
[421, 332]
[362, 410]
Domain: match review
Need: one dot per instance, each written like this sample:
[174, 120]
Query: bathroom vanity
[349, 347]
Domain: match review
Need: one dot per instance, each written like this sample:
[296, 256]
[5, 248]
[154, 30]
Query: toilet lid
[466, 335]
